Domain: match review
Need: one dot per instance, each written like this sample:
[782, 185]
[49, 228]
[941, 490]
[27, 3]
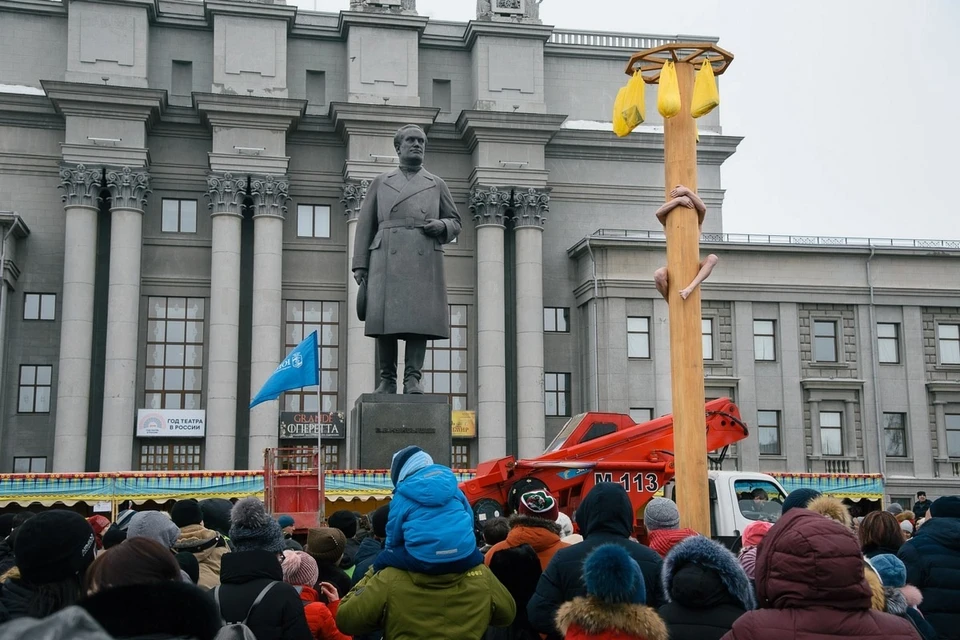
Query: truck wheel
[522, 486]
[485, 510]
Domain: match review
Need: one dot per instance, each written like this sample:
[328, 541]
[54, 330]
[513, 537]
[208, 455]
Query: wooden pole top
[650, 62]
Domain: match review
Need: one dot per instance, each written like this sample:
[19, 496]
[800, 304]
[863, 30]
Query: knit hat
[186, 512]
[113, 536]
[754, 532]
[661, 513]
[566, 524]
[611, 575]
[216, 514]
[154, 525]
[891, 569]
[54, 546]
[378, 521]
[894, 508]
[538, 504]
[408, 461]
[123, 518]
[99, 524]
[799, 498]
[946, 507]
[252, 529]
[345, 521]
[326, 544]
[300, 569]
[285, 521]
[189, 565]
[906, 526]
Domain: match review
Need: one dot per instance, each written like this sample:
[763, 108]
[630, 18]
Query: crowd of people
[422, 567]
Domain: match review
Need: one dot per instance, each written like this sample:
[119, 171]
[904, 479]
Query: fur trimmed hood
[833, 509]
[911, 594]
[533, 522]
[896, 603]
[715, 558]
[598, 619]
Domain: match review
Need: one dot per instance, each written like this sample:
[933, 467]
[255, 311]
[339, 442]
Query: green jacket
[416, 606]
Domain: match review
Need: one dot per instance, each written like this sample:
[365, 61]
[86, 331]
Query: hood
[308, 595]
[15, 596]
[832, 508]
[911, 594]
[432, 486]
[538, 533]
[444, 580]
[369, 549]
[173, 609]
[895, 601]
[701, 573]
[806, 561]
[601, 620]
[196, 538]
[73, 623]
[606, 509]
[943, 531]
[239, 567]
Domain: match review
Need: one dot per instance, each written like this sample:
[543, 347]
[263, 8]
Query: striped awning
[853, 486]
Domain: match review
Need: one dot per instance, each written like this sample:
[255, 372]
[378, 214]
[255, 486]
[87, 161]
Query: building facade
[180, 182]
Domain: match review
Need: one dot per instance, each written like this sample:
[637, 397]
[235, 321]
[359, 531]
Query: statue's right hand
[359, 275]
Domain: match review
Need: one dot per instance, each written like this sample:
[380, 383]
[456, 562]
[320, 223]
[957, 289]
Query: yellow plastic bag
[620, 126]
[635, 102]
[668, 96]
[706, 98]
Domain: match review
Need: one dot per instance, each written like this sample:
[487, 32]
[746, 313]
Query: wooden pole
[686, 351]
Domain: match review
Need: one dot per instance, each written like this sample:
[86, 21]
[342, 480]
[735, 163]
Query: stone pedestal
[387, 423]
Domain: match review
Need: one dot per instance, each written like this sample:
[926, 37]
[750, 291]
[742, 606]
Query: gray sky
[844, 105]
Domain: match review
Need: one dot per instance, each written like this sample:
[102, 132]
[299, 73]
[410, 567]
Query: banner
[171, 423]
[463, 424]
[306, 426]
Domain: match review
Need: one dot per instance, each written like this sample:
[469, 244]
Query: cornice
[36, 112]
[350, 19]
[152, 6]
[637, 147]
[249, 112]
[43, 7]
[943, 386]
[352, 118]
[504, 126]
[183, 14]
[12, 222]
[257, 10]
[478, 28]
[106, 101]
[831, 384]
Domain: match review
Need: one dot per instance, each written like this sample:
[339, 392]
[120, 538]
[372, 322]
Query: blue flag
[299, 369]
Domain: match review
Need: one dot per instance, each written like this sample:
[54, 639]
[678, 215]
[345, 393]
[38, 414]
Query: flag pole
[322, 502]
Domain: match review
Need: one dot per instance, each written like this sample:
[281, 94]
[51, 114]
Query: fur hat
[661, 513]
[186, 512]
[892, 571]
[326, 544]
[251, 528]
[345, 521]
[611, 575]
[799, 498]
[833, 509]
[946, 507]
[154, 525]
[753, 533]
[408, 461]
[378, 521]
[54, 546]
[300, 569]
[711, 556]
[286, 521]
[538, 504]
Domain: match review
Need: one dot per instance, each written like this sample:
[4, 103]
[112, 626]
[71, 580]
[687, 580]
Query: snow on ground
[21, 89]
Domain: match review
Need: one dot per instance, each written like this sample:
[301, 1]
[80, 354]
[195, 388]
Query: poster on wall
[171, 423]
[463, 424]
[306, 426]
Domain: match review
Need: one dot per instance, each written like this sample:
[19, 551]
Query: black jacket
[334, 575]
[164, 610]
[15, 597]
[7, 561]
[369, 549]
[920, 508]
[243, 574]
[604, 516]
[932, 558]
[349, 553]
[517, 569]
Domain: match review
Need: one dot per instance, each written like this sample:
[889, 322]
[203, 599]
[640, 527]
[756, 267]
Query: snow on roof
[21, 89]
[596, 125]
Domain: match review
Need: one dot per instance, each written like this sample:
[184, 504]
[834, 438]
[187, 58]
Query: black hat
[378, 521]
[345, 521]
[54, 546]
[946, 507]
[186, 512]
[113, 536]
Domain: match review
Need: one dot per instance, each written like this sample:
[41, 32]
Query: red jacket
[811, 586]
[321, 618]
[662, 540]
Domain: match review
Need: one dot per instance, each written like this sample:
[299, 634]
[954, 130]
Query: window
[888, 342]
[445, 365]
[638, 337]
[39, 306]
[953, 435]
[895, 435]
[313, 221]
[29, 465]
[460, 456]
[556, 394]
[316, 88]
[831, 433]
[303, 317]
[824, 341]
[556, 320]
[34, 388]
[759, 499]
[171, 456]
[641, 414]
[178, 216]
[764, 340]
[441, 95]
[706, 329]
[948, 335]
[181, 79]
[331, 456]
[768, 431]
[174, 353]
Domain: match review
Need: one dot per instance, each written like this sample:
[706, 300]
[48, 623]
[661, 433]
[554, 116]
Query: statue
[406, 218]
[684, 197]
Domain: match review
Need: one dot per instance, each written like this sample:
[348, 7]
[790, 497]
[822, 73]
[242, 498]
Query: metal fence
[754, 238]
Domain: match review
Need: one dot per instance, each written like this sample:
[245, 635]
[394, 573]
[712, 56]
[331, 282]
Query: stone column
[81, 187]
[361, 350]
[815, 441]
[269, 195]
[128, 196]
[489, 205]
[226, 194]
[850, 432]
[529, 209]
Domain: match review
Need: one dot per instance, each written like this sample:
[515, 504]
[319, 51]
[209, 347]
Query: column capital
[530, 206]
[80, 184]
[269, 195]
[128, 188]
[354, 192]
[490, 204]
[226, 193]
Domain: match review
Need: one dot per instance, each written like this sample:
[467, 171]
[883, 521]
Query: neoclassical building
[179, 184]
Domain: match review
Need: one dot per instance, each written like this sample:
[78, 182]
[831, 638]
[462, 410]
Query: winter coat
[899, 604]
[406, 291]
[161, 610]
[748, 560]
[243, 574]
[415, 606]
[207, 547]
[72, 623]
[329, 572]
[431, 518]
[920, 508]
[7, 560]
[542, 535]
[706, 590]
[811, 586]
[663, 540]
[321, 618]
[349, 559]
[366, 554]
[587, 618]
[15, 597]
[518, 569]
[932, 558]
[872, 550]
[605, 516]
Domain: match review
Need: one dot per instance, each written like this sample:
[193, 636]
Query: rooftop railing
[633, 41]
[755, 238]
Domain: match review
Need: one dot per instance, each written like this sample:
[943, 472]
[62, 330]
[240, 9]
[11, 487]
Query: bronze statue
[406, 218]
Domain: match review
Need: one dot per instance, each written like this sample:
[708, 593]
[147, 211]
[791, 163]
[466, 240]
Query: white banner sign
[171, 423]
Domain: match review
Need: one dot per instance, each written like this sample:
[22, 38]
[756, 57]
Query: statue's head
[410, 142]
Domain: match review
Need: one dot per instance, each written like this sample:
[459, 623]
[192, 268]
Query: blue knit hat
[799, 498]
[612, 576]
[407, 461]
[285, 521]
[893, 573]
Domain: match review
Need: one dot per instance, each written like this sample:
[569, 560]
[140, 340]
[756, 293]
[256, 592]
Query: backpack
[238, 630]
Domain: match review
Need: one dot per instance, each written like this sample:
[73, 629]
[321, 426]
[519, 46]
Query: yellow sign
[463, 424]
